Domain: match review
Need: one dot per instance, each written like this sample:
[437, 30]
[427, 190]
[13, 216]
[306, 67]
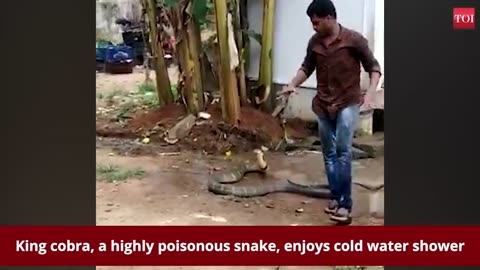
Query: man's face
[322, 26]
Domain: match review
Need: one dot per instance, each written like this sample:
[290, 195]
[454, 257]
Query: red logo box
[464, 18]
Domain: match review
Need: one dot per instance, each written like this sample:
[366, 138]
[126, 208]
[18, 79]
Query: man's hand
[288, 90]
[370, 96]
[369, 100]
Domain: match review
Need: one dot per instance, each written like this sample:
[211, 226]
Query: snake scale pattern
[221, 184]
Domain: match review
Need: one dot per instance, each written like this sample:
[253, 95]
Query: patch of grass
[109, 98]
[123, 115]
[174, 92]
[147, 93]
[123, 104]
[146, 88]
[112, 173]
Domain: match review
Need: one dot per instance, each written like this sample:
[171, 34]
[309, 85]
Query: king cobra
[222, 184]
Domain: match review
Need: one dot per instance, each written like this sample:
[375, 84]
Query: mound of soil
[166, 116]
[220, 137]
[300, 129]
[113, 130]
[252, 119]
[255, 129]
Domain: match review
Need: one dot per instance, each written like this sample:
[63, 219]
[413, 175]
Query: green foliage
[256, 36]
[175, 92]
[200, 9]
[102, 43]
[122, 115]
[170, 3]
[146, 93]
[146, 88]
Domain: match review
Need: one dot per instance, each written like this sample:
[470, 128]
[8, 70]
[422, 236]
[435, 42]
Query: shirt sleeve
[368, 60]
[309, 62]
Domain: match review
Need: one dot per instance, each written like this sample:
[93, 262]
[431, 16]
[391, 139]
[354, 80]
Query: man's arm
[369, 62]
[305, 70]
[299, 78]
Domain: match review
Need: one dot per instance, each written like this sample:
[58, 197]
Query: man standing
[335, 53]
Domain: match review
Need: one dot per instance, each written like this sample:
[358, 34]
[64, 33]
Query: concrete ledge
[373, 145]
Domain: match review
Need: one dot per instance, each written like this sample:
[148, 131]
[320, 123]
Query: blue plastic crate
[100, 54]
[115, 54]
[101, 49]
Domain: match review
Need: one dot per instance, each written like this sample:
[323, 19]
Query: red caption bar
[234, 245]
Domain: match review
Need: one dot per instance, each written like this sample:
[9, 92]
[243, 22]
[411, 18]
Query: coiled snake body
[222, 184]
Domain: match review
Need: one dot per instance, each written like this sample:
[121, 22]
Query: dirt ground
[106, 83]
[173, 189]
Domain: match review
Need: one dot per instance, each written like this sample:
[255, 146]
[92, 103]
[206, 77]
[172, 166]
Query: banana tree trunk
[146, 50]
[189, 48]
[183, 56]
[241, 77]
[265, 77]
[195, 47]
[228, 85]
[164, 92]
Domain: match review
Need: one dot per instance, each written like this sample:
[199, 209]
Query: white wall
[105, 18]
[379, 44]
[293, 30]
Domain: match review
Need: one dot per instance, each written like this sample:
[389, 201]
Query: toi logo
[464, 18]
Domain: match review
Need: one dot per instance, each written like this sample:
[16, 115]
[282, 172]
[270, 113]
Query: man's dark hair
[321, 9]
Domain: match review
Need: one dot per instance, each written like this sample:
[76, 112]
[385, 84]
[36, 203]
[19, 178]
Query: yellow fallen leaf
[146, 140]
[228, 153]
